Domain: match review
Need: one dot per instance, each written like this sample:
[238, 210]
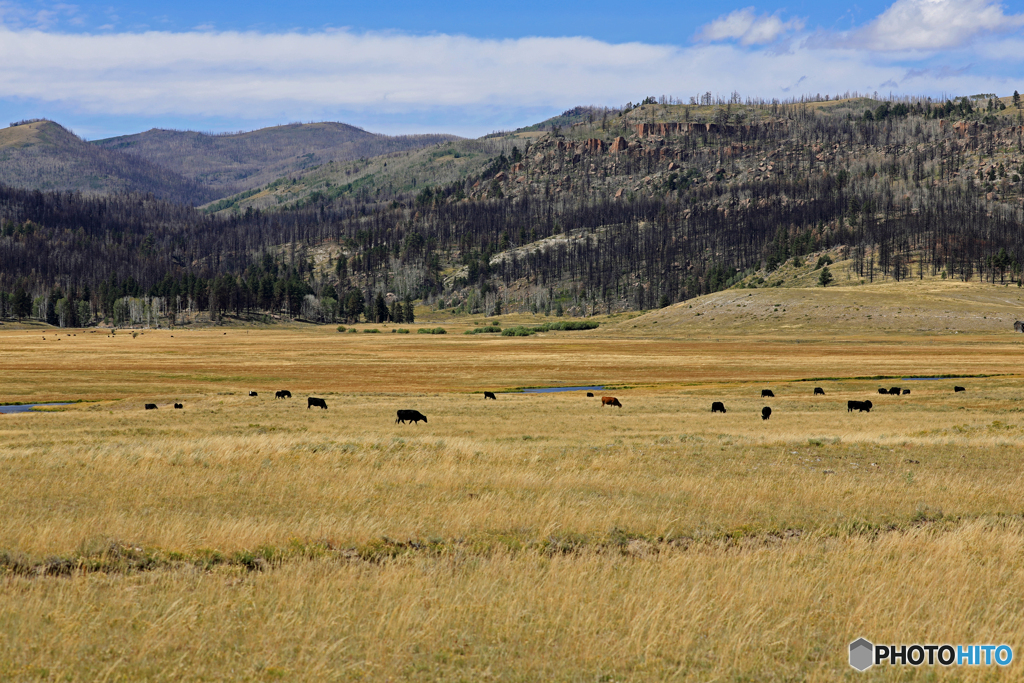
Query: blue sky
[104, 69]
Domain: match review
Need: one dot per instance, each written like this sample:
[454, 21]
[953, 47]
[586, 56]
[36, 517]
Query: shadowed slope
[43, 155]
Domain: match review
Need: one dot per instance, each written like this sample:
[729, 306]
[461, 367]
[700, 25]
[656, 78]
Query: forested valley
[607, 210]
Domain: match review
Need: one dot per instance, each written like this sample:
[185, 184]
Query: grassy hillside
[235, 162]
[43, 155]
[849, 307]
[374, 179]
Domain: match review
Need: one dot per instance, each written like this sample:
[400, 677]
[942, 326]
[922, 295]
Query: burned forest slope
[42, 155]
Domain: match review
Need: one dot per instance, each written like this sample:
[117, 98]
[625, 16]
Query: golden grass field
[536, 537]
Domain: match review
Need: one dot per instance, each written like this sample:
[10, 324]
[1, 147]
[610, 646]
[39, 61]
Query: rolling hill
[883, 309]
[42, 155]
[230, 163]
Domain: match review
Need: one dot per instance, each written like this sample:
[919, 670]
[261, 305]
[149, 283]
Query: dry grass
[536, 537]
[892, 311]
[17, 137]
[235, 473]
[775, 613]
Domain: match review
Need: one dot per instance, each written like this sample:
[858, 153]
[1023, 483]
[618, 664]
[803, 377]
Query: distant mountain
[233, 163]
[42, 155]
[647, 206]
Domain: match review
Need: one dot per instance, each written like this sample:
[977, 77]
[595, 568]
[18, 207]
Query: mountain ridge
[43, 155]
[228, 163]
[648, 206]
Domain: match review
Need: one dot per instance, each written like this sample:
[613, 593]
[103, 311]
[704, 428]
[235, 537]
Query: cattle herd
[862, 406]
[416, 416]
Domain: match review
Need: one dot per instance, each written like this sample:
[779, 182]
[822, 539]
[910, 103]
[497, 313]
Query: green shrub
[401, 330]
[370, 330]
[341, 328]
[547, 327]
[490, 329]
[518, 331]
[431, 330]
[570, 325]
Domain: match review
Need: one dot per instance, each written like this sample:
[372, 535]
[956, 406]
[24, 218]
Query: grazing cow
[767, 393]
[1018, 326]
[717, 407]
[818, 391]
[411, 416]
[178, 406]
[883, 392]
[318, 402]
[490, 394]
[252, 393]
[150, 406]
[862, 406]
[906, 391]
[610, 401]
[958, 389]
[894, 391]
[284, 393]
[590, 394]
[766, 412]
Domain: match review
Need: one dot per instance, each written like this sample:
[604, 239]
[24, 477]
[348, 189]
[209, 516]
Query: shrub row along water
[522, 331]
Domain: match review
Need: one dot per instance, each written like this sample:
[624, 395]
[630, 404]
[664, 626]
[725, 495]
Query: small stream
[29, 406]
[551, 390]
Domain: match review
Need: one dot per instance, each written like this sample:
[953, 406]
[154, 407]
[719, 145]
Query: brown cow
[610, 401]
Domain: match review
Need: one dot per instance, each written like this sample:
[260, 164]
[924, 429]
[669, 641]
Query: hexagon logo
[862, 654]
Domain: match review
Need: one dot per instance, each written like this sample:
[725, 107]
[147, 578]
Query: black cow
[313, 401]
[906, 391]
[958, 389]
[883, 392]
[717, 407]
[894, 391]
[766, 412]
[818, 391]
[767, 393]
[411, 415]
[178, 406]
[284, 393]
[251, 393]
[862, 406]
[590, 394]
[150, 406]
[490, 394]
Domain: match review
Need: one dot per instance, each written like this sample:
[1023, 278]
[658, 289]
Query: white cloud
[453, 83]
[932, 25]
[746, 27]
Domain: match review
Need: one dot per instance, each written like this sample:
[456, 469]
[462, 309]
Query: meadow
[536, 537]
